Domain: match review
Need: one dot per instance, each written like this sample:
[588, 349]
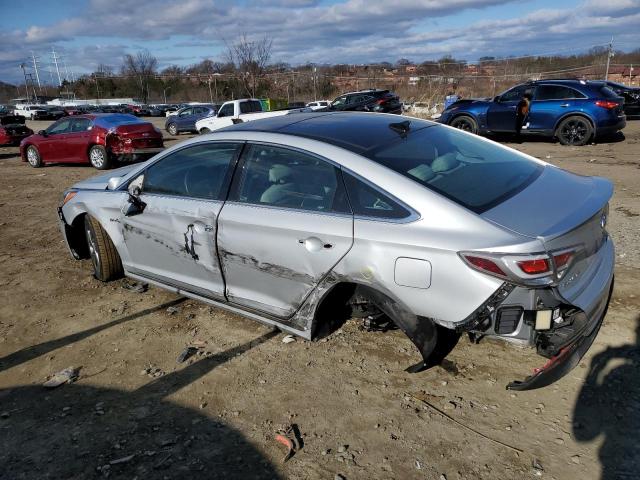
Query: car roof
[354, 131]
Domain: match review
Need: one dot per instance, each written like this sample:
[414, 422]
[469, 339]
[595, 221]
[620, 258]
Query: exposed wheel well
[77, 238]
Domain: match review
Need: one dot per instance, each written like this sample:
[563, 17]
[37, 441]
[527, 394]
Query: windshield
[473, 173]
[114, 120]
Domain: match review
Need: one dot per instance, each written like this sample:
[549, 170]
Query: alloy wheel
[32, 156]
[574, 131]
[97, 157]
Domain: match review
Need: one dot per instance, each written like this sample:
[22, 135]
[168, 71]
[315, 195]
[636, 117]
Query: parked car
[631, 97]
[184, 120]
[318, 104]
[298, 220]
[98, 139]
[4, 111]
[74, 110]
[13, 130]
[54, 112]
[239, 111]
[32, 112]
[573, 111]
[139, 110]
[379, 101]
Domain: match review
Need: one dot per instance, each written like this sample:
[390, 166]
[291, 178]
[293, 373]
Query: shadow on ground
[78, 431]
[609, 406]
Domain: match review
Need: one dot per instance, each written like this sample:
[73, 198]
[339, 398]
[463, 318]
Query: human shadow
[609, 406]
[34, 351]
[78, 431]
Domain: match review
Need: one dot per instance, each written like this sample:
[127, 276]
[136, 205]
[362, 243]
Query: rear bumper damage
[561, 321]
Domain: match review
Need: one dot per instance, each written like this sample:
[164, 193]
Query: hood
[99, 182]
[555, 203]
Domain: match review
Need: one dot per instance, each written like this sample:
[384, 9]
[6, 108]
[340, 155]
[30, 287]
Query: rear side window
[472, 172]
[199, 171]
[250, 107]
[368, 201]
[289, 178]
[556, 92]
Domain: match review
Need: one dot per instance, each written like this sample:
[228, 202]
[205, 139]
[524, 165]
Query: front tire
[465, 123]
[576, 131]
[99, 157]
[33, 157]
[204, 130]
[172, 129]
[104, 256]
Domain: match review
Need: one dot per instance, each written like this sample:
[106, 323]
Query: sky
[86, 33]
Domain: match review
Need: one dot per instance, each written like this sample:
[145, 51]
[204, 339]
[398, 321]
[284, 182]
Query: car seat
[283, 190]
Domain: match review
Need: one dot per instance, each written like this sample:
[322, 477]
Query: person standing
[522, 112]
[450, 99]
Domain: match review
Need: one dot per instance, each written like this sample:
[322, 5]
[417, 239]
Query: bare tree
[250, 59]
[142, 66]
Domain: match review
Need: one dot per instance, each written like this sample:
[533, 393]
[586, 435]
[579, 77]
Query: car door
[54, 147]
[78, 139]
[173, 240]
[501, 114]
[549, 103]
[285, 226]
[184, 118]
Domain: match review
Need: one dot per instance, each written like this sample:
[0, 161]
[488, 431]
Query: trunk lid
[566, 211]
[141, 135]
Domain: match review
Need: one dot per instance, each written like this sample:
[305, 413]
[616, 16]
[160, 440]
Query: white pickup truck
[238, 111]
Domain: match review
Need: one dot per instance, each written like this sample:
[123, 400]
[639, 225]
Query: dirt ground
[134, 412]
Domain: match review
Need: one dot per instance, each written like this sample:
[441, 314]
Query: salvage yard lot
[134, 411]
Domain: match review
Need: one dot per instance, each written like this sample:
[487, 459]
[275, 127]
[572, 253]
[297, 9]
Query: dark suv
[381, 101]
[573, 111]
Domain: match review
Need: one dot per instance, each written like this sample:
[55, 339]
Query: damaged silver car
[302, 220]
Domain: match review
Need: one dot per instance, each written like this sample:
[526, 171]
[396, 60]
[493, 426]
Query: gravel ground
[135, 413]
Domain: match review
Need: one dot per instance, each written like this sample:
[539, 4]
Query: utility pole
[609, 55]
[55, 61]
[35, 67]
[26, 86]
[210, 94]
[630, 70]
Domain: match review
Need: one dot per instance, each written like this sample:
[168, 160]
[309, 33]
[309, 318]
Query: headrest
[422, 172]
[445, 162]
[280, 173]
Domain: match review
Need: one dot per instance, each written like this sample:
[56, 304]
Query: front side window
[514, 95]
[226, 111]
[198, 171]
[339, 101]
[556, 92]
[62, 126]
[289, 178]
[473, 173]
[185, 112]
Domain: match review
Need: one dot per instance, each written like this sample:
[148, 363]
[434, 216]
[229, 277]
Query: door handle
[314, 244]
[564, 105]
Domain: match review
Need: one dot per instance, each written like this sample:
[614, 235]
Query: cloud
[350, 31]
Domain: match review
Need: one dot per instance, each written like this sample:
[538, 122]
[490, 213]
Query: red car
[13, 130]
[98, 139]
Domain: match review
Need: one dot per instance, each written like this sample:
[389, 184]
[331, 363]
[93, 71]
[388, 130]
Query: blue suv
[184, 120]
[573, 111]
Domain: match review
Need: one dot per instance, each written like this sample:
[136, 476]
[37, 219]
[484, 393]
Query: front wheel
[574, 131]
[104, 256]
[465, 123]
[172, 129]
[33, 157]
[99, 157]
[204, 130]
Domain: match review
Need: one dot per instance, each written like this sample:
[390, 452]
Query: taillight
[562, 260]
[608, 104]
[534, 267]
[484, 264]
[381, 101]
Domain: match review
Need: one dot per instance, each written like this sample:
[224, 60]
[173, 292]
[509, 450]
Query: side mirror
[113, 182]
[134, 205]
[43, 133]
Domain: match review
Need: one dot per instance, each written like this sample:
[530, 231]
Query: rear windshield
[117, 119]
[472, 172]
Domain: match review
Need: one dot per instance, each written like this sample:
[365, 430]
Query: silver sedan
[304, 220]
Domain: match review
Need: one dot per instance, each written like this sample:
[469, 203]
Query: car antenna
[401, 127]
